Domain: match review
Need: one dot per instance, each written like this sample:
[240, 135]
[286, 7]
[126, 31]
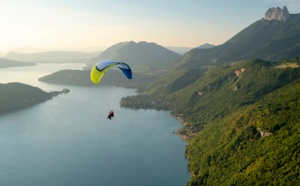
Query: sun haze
[93, 25]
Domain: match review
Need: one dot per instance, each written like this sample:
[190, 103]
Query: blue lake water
[68, 140]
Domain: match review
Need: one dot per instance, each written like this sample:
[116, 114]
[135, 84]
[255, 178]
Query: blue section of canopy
[125, 69]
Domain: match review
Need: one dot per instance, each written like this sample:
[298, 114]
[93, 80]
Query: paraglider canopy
[103, 66]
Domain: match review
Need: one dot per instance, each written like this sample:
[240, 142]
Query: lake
[69, 141]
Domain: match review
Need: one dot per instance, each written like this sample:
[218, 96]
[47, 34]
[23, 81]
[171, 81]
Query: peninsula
[15, 96]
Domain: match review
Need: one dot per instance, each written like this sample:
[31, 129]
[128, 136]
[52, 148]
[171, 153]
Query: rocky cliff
[277, 14]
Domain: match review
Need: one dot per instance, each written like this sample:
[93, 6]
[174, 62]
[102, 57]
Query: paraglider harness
[110, 115]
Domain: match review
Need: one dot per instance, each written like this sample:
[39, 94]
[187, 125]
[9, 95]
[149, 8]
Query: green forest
[242, 122]
[257, 144]
[15, 96]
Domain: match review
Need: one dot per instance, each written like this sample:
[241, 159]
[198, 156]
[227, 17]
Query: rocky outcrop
[239, 72]
[235, 88]
[264, 133]
[277, 14]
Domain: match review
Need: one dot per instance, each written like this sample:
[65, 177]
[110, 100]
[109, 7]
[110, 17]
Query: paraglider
[110, 115]
[103, 66]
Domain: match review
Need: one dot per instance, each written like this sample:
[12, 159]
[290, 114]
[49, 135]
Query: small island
[15, 96]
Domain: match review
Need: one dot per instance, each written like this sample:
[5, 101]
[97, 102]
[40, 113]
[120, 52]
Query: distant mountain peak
[206, 45]
[277, 14]
[137, 53]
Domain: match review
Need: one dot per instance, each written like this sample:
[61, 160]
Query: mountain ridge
[263, 39]
[5, 63]
[139, 53]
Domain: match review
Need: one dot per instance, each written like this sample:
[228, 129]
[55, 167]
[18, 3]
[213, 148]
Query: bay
[69, 141]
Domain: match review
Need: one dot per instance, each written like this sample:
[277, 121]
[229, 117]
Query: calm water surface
[68, 140]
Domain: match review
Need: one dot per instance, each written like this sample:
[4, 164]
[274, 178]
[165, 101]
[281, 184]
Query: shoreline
[179, 133]
[184, 137]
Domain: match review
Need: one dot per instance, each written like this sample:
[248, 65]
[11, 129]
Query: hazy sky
[93, 25]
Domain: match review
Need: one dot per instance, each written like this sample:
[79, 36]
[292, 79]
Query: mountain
[109, 53]
[241, 121]
[206, 45]
[182, 50]
[179, 50]
[53, 57]
[238, 103]
[136, 54]
[4, 63]
[268, 39]
[146, 60]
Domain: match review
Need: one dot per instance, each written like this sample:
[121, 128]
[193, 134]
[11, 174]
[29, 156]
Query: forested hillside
[14, 96]
[255, 145]
[242, 122]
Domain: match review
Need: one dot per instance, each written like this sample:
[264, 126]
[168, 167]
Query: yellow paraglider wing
[96, 75]
[100, 68]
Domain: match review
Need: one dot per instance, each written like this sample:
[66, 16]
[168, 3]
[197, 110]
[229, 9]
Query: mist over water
[69, 141]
